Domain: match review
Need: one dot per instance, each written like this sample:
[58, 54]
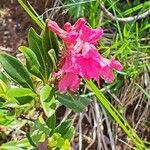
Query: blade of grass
[146, 93]
[36, 14]
[32, 15]
[117, 23]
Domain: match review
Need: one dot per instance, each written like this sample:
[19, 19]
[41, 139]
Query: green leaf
[20, 95]
[38, 130]
[69, 134]
[35, 44]
[32, 62]
[65, 129]
[47, 100]
[51, 122]
[16, 70]
[76, 8]
[3, 87]
[145, 92]
[50, 41]
[19, 145]
[76, 103]
[6, 117]
[53, 58]
[4, 79]
[10, 146]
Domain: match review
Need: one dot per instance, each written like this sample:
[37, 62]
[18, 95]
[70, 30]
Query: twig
[126, 143]
[125, 19]
[80, 131]
[2, 48]
[98, 124]
[94, 128]
[63, 6]
[109, 129]
[67, 113]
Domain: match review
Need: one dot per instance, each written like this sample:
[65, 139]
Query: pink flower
[70, 81]
[87, 62]
[107, 66]
[70, 34]
[90, 35]
[80, 57]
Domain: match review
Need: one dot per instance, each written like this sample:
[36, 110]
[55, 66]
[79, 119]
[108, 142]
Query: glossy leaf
[16, 70]
[50, 41]
[47, 100]
[65, 129]
[76, 103]
[35, 44]
[32, 62]
[4, 79]
[20, 95]
[38, 130]
[51, 122]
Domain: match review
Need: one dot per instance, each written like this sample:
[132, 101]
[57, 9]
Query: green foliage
[48, 100]
[84, 8]
[35, 44]
[16, 70]
[116, 116]
[36, 91]
[19, 145]
[65, 129]
[77, 8]
[32, 14]
[20, 95]
[32, 62]
[6, 117]
[74, 102]
[57, 142]
[50, 41]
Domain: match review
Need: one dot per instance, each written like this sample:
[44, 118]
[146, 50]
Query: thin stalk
[32, 15]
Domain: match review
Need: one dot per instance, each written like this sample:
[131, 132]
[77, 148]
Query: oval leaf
[50, 41]
[20, 95]
[76, 103]
[35, 44]
[47, 100]
[32, 62]
[65, 129]
[16, 70]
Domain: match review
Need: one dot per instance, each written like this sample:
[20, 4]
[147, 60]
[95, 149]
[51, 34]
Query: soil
[14, 24]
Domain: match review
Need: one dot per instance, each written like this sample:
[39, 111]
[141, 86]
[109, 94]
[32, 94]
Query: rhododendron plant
[79, 57]
[28, 96]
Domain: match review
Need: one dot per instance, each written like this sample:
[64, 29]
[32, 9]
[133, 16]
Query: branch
[126, 19]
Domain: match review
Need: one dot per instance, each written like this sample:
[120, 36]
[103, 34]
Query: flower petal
[88, 64]
[70, 81]
[115, 64]
[90, 35]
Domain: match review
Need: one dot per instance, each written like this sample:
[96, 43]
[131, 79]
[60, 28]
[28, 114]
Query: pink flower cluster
[80, 57]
